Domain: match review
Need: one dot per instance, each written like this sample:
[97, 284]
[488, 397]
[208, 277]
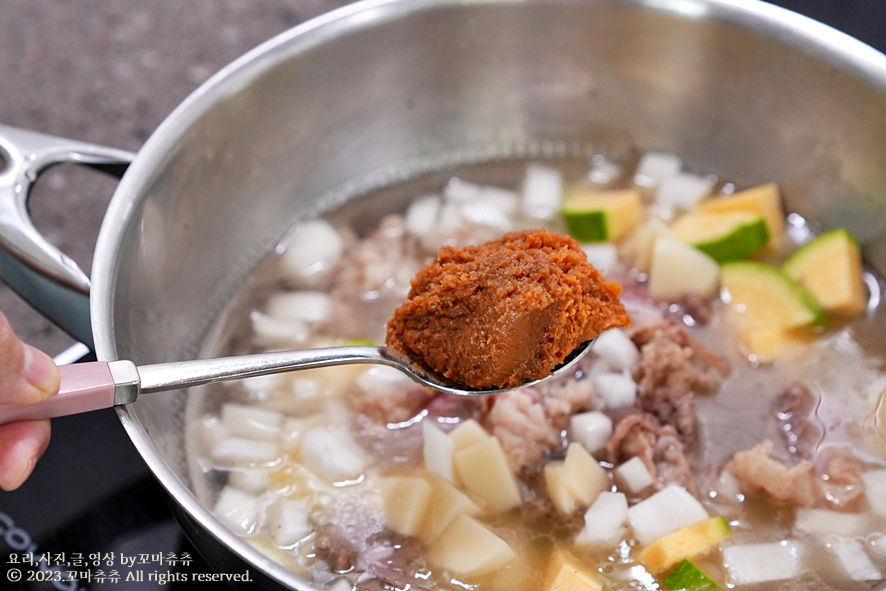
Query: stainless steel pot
[383, 89]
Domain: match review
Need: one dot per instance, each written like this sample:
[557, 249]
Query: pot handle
[46, 278]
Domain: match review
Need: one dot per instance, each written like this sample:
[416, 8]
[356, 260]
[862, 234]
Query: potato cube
[565, 573]
[437, 450]
[583, 476]
[468, 549]
[445, 505]
[467, 434]
[556, 487]
[484, 472]
[406, 501]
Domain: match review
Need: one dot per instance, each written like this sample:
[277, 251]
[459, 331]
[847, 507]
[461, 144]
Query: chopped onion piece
[542, 191]
[758, 563]
[438, 449]
[682, 191]
[422, 215]
[604, 520]
[654, 167]
[665, 512]
[240, 450]
[617, 348]
[307, 306]
[252, 422]
[238, 510]
[634, 474]
[854, 560]
[314, 249]
[603, 255]
[591, 429]
[617, 389]
[332, 454]
[875, 487]
[289, 521]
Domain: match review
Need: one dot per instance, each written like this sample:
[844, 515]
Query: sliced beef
[757, 471]
[394, 559]
[673, 368]
[396, 404]
[334, 549]
[659, 447]
[518, 419]
[692, 310]
[841, 483]
[563, 397]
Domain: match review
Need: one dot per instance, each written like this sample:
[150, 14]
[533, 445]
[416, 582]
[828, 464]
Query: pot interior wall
[390, 91]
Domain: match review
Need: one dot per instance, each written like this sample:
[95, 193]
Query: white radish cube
[288, 522]
[759, 563]
[487, 212]
[260, 386]
[459, 191]
[451, 219]
[678, 268]
[682, 191]
[634, 475]
[381, 379]
[277, 330]
[239, 450]
[854, 560]
[823, 521]
[438, 449]
[665, 512]
[555, 485]
[604, 519]
[239, 510]
[875, 488]
[617, 348]
[314, 249]
[422, 215]
[727, 485]
[251, 480]
[603, 170]
[878, 545]
[340, 584]
[292, 432]
[252, 422]
[591, 429]
[617, 389]
[332, 454]
[654, 167]
[603, 255]
[306, 388]
[308, 306]
[212, 430]
[542, 191]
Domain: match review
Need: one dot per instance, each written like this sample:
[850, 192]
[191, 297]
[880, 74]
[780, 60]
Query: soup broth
[696, 445]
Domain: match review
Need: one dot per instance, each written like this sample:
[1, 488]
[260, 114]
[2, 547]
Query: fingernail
[40, 370]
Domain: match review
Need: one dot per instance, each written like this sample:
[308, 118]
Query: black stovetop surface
[92, 497]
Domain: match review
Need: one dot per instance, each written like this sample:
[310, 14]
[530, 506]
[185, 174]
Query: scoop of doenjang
[506, 312]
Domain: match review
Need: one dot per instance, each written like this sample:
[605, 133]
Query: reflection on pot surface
[729, 437]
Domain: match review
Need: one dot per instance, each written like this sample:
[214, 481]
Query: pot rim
[820, 40]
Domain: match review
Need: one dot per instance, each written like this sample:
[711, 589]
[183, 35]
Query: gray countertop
[109, 71]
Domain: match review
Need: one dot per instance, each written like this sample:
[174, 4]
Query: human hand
[27, 375]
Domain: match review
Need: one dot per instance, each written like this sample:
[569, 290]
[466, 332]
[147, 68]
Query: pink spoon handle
[84, 387]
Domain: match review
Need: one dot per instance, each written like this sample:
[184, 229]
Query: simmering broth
[359, 479]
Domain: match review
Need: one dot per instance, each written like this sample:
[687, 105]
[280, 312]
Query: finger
[27, 375]
[21, 445]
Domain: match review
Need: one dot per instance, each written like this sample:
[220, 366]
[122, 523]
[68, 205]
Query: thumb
[27, 375]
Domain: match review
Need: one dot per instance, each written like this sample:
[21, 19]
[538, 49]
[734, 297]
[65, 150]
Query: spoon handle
[101, 384]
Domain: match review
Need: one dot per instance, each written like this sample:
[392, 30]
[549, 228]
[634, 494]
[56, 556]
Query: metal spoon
[103, 384]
